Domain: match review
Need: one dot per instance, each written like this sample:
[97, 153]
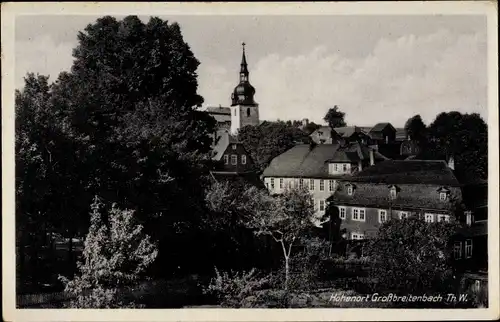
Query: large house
[243, 110]
[318, 168]
[396, 189]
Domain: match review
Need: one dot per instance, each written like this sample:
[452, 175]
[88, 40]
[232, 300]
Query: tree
[311, 127]
[285, 217]
[415, 128]
[269, 139]
[464, 137]
[129, 106]
[116, 252]
[411, 254]
[334, 117]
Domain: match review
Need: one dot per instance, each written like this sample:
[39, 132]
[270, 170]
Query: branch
[284, 249]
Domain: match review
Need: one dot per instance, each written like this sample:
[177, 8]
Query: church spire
[244, 66]
[243, 93]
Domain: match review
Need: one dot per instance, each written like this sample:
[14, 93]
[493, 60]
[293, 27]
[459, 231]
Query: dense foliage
[269, 139]
[411, 254]
[334, 117]
[121, 124]
[453, 134]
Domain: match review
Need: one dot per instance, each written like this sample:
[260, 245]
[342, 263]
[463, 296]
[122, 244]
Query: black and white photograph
[206, 157]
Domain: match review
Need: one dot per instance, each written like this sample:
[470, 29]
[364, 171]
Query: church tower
[244, 110]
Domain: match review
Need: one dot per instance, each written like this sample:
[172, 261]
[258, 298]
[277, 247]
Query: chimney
[451, 162]
[372, 158]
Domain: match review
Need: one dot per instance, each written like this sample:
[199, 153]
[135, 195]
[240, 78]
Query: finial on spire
[244, 68]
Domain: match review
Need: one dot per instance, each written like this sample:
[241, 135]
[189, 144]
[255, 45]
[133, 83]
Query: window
[403, 214]
[321, 205]
[429, 218]
[468, 218]
[358, 214]
[457, 250]
[281, 183]
[443, 218]
[393, 193]
[248, 112]
[234, 146]
[357, 236]
[234, 112]
[311, 184]
[335, 167]
[226, 159]
[344, 167]
[234, 159]
[331, 185]
[382, 216]
[442, 196]
[267, 185]
[321, 185]
[342, 212]
[301, 183]
[243, 159]
[349, 190]
[272, 183]
[362, 214]
[468, 248]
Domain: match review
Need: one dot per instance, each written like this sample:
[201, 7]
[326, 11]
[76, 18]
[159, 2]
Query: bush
[116, 253]
[232, 288]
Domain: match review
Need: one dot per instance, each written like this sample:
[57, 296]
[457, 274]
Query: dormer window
[443, 194]
[393, 192]
[234, 146]
[350, 189]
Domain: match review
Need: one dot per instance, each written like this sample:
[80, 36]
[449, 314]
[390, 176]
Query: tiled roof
[311, 161]
[218, 110]
[347, 131]
[408, 172]
[409, 196]
[355, 152]
[224, 139]
[221, 118]
[302, 161]
[380, 126]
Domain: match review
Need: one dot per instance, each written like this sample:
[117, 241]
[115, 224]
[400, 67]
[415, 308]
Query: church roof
[218, 110]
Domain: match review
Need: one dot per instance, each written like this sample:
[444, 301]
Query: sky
[374, 68]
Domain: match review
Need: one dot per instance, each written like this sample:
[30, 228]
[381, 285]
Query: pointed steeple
[244, 92]
[244, 66]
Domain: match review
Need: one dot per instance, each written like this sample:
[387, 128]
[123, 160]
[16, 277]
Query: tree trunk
[70, 249]
[287, 272]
